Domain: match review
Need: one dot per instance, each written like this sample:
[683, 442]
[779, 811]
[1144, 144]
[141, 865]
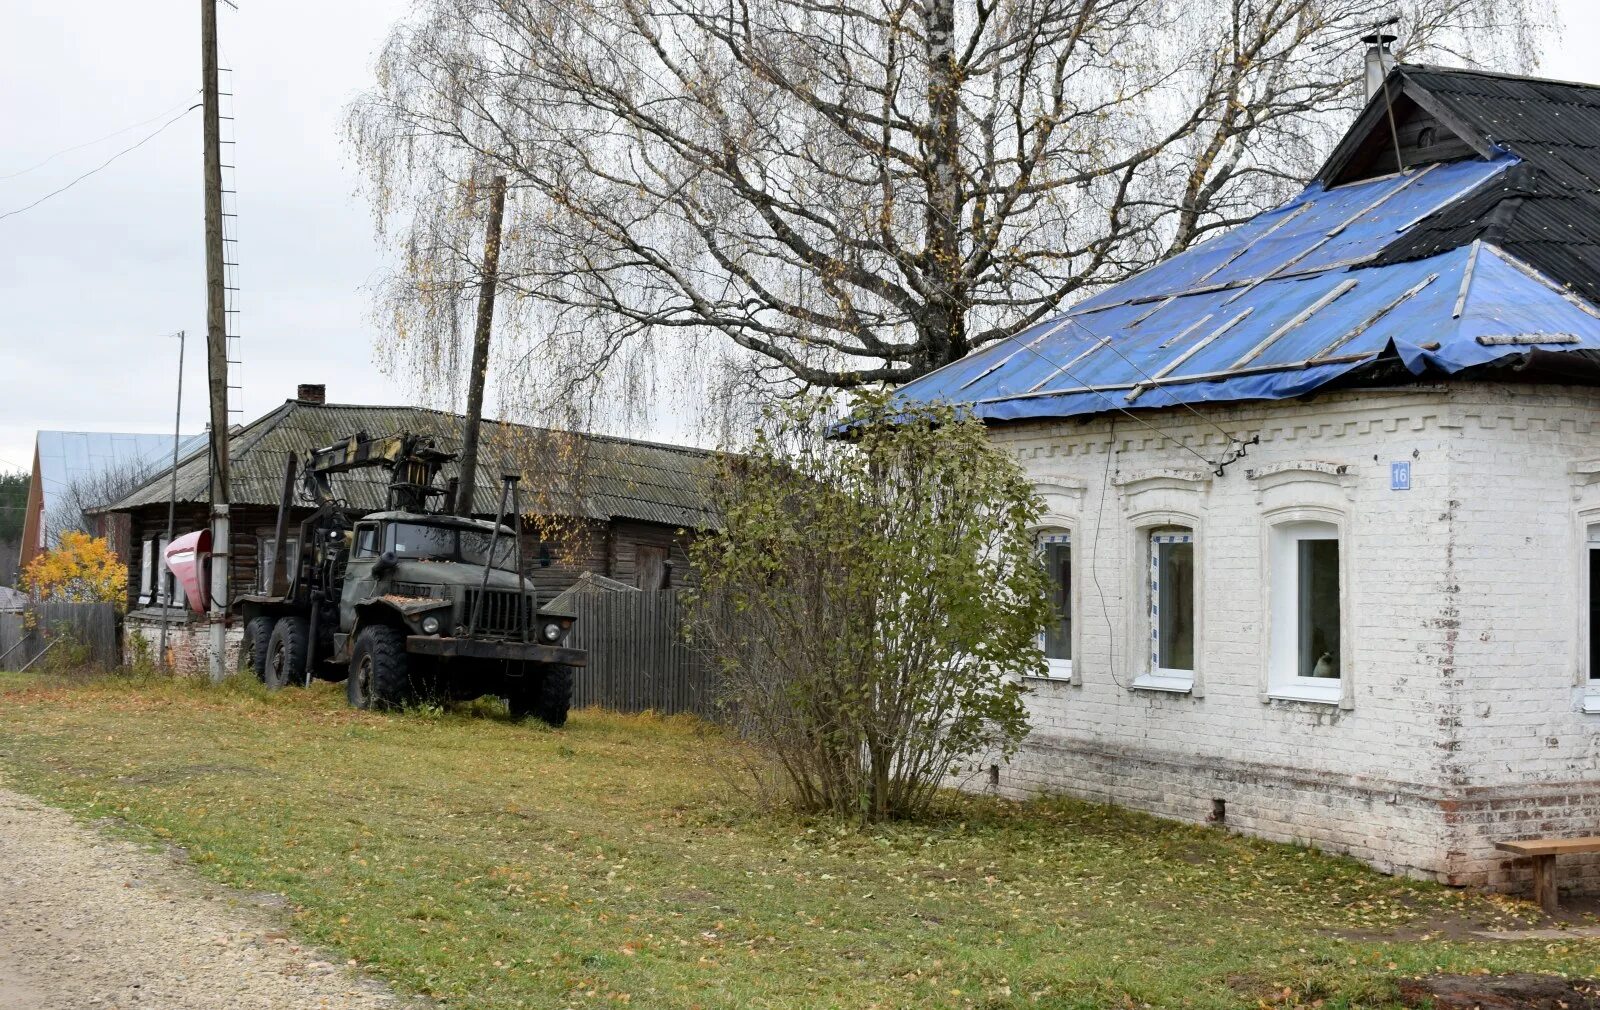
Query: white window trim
[1315, 690]
[1588, 685]
[1179, 683]
[147, 570]
[1061, 669]
[1153, 676]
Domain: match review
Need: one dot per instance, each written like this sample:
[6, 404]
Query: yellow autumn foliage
[81, 569]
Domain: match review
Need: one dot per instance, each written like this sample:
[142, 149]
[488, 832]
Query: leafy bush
[871, 601]
[81, 569]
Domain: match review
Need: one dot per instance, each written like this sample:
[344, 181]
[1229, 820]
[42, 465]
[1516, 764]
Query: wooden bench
[1543, 852]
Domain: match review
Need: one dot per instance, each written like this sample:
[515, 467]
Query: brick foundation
[188, 642]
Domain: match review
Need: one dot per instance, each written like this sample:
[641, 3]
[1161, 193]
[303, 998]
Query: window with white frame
[1593, 577]
[1172, 595]
[1055, 550]
[147, 569]
[1306, 600]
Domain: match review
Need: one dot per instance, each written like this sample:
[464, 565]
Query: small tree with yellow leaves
[81, 569]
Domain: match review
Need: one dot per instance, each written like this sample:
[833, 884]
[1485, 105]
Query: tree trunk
[943, 323]
[480, 346]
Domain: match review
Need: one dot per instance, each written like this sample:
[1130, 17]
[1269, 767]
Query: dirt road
[88, 921]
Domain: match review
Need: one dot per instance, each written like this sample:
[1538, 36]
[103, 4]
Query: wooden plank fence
[638, 659]
[92, 624]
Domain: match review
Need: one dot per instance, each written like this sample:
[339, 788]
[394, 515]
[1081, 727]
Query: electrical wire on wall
[1094, 554]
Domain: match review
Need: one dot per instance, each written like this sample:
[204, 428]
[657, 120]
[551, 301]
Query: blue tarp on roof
[1277, 308]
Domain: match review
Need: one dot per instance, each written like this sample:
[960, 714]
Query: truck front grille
[498, 615]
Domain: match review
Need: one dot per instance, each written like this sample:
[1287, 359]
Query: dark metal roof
[591, 476]
[1547, 211]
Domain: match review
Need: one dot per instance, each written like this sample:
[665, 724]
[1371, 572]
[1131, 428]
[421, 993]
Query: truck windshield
[475, 550]
[447, 543]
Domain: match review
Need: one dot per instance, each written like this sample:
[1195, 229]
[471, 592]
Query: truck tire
[547, 697]
[379, 678]
[286, 654]
[257, 633]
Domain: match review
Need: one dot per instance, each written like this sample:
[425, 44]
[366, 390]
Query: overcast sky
[93, 281]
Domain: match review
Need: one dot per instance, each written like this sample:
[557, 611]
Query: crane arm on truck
[414, 462]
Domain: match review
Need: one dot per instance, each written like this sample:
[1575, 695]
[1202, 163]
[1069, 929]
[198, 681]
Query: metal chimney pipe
[1379, 61]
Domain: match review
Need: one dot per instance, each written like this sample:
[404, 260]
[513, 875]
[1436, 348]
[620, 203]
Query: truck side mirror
[385, 564]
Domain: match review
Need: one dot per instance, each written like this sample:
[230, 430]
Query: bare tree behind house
[72, 505]
[831, 195]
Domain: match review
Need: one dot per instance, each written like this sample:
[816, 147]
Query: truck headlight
[552, 632]
[430, 625]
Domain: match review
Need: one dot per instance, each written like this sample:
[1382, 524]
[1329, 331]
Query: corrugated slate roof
[1445, 267]
[595, 476]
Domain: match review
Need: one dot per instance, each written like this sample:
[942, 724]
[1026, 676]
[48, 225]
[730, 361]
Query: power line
[1154, 382]
[126, 150]
[1180, 443]
[90, 143]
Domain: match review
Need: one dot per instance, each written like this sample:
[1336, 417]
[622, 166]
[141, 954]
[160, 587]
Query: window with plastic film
[1055, 552]
[1172, 596]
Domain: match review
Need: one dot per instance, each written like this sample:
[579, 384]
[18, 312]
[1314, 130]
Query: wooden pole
[216, 338]
[172, 505]
[480, 345]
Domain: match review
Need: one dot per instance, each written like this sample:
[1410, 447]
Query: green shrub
[871, 603]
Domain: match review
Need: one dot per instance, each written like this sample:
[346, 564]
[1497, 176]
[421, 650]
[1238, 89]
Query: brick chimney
[311, 392]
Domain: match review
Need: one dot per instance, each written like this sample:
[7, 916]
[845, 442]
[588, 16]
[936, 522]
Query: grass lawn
[498, 865]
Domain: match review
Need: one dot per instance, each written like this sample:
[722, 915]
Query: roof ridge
[1435, 68]
[596, 435]
[90, 431]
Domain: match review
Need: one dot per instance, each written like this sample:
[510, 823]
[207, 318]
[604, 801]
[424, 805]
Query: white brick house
[1371, 633]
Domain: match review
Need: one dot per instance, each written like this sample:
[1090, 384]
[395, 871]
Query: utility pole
[480, 344]
[216, 340]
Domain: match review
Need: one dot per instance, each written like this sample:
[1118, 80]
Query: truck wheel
[286, 654]
[548, 699]
[378, 676]
[257, 633]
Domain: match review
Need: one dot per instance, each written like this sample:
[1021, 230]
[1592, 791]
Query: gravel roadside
[89, 921]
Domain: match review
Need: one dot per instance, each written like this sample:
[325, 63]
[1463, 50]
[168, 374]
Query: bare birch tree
[74, 505]
[842, 193]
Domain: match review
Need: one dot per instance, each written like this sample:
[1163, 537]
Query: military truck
[410, 602]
